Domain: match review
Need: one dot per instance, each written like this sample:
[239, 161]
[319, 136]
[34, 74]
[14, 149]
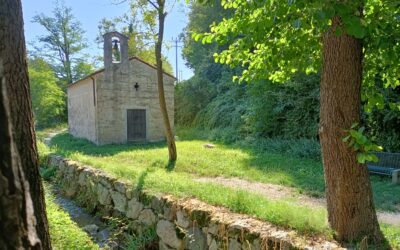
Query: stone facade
[98, 104]
[179, 223]
[82, 110]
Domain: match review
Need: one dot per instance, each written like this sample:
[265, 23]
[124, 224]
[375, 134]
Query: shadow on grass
[66, 144]
[170, 166]
[281, 168]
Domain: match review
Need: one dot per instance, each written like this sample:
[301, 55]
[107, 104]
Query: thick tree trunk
[18, 222]
[15, 80]
[160, 82]
[348, 189]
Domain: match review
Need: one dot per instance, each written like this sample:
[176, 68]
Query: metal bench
[388, 164]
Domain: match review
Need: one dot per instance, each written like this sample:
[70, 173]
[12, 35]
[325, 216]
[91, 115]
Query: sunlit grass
[65, 233]
[149, 163]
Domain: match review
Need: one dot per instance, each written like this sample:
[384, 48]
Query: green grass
[43, 132]
[392, 235]
[147, 166]
[65, 233]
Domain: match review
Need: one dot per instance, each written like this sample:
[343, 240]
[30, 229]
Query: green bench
[388, 164]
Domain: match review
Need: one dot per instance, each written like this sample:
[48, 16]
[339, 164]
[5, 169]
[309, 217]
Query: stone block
[182, 219]
[163, 246]
[167, 233]
[120, 187]
[213, 245]
[195, 239]
[103, 195]
[170, 212]
[157, 204]
[234, 245]
[119, 201]
[213, 228]
[134, 209]
[70, 189]
[147, 217]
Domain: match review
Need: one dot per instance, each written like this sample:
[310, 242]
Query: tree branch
[154, 5]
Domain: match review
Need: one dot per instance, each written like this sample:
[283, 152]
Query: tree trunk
[14, 77]
[160, 82]
[18, 222]
[348, 190]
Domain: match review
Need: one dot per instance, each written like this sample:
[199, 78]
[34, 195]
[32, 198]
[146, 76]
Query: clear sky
[90, 12]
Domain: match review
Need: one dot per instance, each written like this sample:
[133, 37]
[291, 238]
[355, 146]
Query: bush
[43, 152]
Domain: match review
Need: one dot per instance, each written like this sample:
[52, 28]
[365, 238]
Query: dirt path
[278, 192]
[50, 136]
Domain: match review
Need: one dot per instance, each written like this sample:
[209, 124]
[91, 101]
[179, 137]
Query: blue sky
[90, 12]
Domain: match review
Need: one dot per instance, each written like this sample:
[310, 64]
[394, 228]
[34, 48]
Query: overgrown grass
[43, 132]
[146, 240]
[147, 166]
[304, 155]
[65, 233]
[392, 235]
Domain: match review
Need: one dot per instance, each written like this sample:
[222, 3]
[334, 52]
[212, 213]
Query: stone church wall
[81, 110]
[116, 93]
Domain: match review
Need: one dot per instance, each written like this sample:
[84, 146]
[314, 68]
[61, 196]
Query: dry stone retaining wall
[179, 223]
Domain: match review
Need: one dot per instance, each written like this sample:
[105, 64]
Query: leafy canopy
[47, 97]
[139, 24]
[63, 44]
[275, 39]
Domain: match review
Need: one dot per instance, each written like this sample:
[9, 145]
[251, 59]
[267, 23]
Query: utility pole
[176, 41]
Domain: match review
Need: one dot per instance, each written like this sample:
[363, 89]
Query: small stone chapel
[119, 103]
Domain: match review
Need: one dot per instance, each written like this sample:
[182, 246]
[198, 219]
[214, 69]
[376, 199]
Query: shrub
[43, 152]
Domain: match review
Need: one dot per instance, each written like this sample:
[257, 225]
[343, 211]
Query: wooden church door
[136, 124]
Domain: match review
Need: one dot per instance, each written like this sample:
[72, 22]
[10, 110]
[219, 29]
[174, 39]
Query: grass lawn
[65, 233]
[148, 165]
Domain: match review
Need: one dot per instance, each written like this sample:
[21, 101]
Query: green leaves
[354, 26]
[360, 143]
[48, 99]
[276, 39]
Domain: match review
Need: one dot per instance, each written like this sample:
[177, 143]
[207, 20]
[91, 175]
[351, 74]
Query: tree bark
[160, 82]
[14, 77]
[348, 190]
[18, 222]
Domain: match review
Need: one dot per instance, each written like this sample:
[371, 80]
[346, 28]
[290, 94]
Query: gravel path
[278, 192]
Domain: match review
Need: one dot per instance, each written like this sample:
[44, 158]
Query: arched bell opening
[116, 50]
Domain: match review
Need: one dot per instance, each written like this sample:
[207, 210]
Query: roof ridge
[130, 58]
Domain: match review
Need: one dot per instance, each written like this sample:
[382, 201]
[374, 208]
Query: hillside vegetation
[211, 100]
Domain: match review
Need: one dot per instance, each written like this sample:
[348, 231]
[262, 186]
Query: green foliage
[63, 44]
[64, 233]
[361, 144]
[43, 151]
[275, 39]
[392, 234]
[140, 38]
[210, 100]
[383, 122]
[191, 97]
[143, 241]
[276, 110]
[199, 56]
[48, 173]
[260, 109]
[301, 148]
[48, 99]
